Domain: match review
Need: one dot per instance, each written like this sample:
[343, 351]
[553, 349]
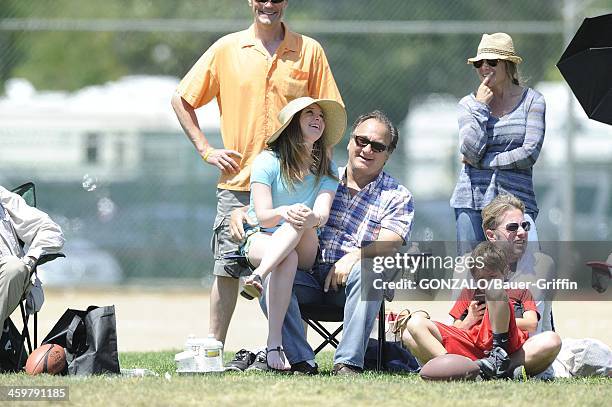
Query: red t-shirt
[521, 300]
[481, 334]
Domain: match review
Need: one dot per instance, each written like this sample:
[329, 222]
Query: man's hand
[484, 93]
[222, 159]
[339, 273]
[29, 262]
[238, 218]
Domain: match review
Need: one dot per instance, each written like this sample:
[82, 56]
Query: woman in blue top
[293, 184]
[501, 132]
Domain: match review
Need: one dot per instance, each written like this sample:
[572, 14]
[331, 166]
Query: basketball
[450, 367]
[49, 358]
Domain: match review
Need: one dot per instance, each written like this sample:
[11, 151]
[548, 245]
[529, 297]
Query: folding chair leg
[328, 338]
[25, 334]
[35, 330]
[331, 340]
[381, 336]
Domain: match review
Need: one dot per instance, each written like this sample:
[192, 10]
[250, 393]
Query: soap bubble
[106, 209]
[428, 235]
[90, 183]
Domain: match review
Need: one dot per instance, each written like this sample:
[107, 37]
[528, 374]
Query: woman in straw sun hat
[293, 183]
[501, 131]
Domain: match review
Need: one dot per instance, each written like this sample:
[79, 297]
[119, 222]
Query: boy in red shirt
[487, 329]
[476, 332]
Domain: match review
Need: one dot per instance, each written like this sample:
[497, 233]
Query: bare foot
[253, 287]
[276, 358]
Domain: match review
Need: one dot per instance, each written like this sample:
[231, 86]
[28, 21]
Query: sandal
[253, 287]
[281, 353]
[402, 320]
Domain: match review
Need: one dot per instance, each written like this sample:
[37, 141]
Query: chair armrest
[45, 258]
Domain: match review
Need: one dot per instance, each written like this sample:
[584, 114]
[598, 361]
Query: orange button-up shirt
[251, 87]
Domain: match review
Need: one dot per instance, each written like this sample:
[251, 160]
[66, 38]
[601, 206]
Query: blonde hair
[513, 73]
[497, 207]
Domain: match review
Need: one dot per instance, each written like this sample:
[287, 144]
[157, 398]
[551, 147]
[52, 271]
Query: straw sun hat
[333, 113]
[496, 46]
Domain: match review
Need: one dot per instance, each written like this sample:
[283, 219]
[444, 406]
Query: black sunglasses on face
[362, 141]
[490, 62]
[513, 226]
[273, 1]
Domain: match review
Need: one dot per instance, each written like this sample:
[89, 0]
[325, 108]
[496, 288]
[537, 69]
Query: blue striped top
[501, 151]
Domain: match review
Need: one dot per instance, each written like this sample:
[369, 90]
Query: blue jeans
[359, 316]
[469, 229]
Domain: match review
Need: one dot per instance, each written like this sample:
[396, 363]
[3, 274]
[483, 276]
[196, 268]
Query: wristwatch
[29, 262]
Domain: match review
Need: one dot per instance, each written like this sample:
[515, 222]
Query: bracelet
[207, 153]
[318, 225]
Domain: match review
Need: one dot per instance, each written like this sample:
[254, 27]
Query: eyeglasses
[273, 1]
[513, 226]
[490, 62]
[362, 141]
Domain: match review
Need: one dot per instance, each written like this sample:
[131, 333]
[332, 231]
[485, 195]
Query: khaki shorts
[221, 242]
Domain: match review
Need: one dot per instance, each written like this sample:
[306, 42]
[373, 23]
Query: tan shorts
[221, 242]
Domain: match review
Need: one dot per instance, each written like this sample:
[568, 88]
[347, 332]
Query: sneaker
[520, 373]
[494, 366]
[304, 368]
[341, 369]
[242, 360]
[260, 363]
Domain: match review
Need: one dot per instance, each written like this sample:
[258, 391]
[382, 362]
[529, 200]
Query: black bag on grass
[10, 343]
[396, 358]
[90, 340]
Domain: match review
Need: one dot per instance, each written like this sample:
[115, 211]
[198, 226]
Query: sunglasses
[362, 141]
[490, 62]
[273, 1]
[513, 226]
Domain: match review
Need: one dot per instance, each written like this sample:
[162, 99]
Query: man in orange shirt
[252, 74]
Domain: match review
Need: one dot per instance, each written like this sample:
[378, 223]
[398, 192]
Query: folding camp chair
[314, 314]
[28, 192]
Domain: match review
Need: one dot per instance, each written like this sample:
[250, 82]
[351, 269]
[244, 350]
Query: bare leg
[223, 297]
[537, 353]
[499, 313]
[280, 281]
[423, 339]
[283, 241]
[280, 284]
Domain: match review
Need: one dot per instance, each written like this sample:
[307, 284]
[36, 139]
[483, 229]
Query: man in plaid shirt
[369, 206]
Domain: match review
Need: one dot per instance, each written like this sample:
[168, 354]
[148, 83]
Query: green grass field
[268, 389]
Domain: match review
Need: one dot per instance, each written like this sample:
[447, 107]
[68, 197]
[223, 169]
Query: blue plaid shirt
[356, 220]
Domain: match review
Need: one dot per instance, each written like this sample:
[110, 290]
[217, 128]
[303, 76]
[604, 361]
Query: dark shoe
[340, 369]
[496, 365]
[260, 364]
[281, 354]
[241, 361]
[253, 287]
[304, 368]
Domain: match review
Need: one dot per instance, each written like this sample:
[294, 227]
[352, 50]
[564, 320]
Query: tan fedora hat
[333, 113]
[496, 46]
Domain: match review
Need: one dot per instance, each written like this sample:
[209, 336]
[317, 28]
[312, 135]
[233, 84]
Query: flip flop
[250, 290]
[279, 350]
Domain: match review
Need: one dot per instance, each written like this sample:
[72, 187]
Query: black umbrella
[586, 65]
